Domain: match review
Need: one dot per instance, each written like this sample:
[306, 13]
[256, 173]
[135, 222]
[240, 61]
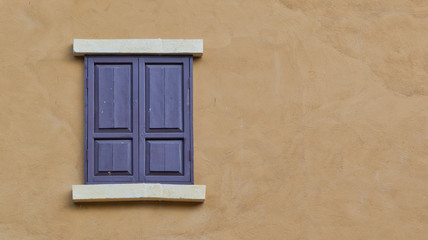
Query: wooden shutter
[165, 120]
[112, 119]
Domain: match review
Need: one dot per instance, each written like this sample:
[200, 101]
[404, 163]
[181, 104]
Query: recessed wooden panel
[113, 103]
[165, 97]
[113, 157]
[165, 156]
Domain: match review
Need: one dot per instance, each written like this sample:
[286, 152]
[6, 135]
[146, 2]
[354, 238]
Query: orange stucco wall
[310, 119]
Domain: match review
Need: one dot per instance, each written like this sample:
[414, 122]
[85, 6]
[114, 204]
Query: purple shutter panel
[165, 139]
[113, 156]
[112, 119]
[165, 97]
[165, 156]
[113, 97]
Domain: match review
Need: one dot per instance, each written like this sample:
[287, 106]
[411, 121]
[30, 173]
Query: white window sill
[138, 192]
[192, 47]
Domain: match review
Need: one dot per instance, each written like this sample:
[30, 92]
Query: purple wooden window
[138, 119]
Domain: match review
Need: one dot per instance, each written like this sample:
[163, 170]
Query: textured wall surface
[310, 118]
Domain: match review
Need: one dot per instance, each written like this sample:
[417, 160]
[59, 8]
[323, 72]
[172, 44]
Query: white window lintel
[192, 47]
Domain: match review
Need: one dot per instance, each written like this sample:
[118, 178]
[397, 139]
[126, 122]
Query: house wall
[310, 119]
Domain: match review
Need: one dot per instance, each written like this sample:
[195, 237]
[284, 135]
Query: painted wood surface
[165, 95]
[165, 120]
[139, 119]
[113, 157]
[112, 122]
[165, 156]
[113, 98]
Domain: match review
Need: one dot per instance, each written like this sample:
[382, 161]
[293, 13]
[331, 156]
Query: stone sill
[192, 47]
[138, 192]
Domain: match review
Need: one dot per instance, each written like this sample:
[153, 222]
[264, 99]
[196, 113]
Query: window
[138, 119]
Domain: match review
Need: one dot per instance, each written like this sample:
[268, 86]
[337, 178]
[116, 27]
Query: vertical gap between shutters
[137, 127]
[114, 105]
[164, 97]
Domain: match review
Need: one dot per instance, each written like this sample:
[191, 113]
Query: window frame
[140, 112]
